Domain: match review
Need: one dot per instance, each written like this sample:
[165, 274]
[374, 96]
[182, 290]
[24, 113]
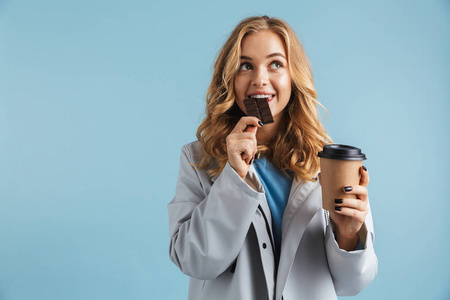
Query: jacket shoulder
[193, 147]
[193, 152]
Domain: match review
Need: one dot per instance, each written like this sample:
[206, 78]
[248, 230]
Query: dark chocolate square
[259, 108]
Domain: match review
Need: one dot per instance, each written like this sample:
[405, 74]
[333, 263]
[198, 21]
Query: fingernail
[337, 208]
[348, 189]
[338, 201]
[250, 162]
[260, 123]
[364, 168]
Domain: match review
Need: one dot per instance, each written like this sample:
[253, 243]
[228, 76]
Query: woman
[246, 221]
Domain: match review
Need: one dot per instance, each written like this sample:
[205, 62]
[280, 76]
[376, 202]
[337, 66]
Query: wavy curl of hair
[300, 134]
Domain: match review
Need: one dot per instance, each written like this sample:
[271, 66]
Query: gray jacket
[221, 237]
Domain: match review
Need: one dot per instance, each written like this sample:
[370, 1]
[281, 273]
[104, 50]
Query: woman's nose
[260, 77]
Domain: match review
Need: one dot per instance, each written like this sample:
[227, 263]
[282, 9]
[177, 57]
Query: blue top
[277, 186]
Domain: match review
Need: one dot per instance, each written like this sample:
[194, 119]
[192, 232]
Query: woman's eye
[276, 65]
[245, 66]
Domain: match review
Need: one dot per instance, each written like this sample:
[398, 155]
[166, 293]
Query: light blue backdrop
[97, 98]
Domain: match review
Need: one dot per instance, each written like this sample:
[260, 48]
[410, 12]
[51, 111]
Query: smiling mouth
[261, 96]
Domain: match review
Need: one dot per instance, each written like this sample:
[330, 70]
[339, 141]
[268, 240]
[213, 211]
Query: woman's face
[263, 71]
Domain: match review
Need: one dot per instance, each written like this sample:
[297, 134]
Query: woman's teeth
[261, 96]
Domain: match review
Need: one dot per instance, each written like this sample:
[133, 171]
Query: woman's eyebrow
[268, 56]
[276, 54]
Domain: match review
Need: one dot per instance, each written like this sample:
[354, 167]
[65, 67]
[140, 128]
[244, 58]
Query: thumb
[364, 180]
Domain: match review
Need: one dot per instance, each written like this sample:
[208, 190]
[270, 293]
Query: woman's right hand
[242, 145]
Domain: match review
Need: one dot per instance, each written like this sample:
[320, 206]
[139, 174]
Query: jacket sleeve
[352, 271]
[208, 230]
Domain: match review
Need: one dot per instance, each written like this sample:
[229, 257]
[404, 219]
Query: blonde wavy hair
[300, 134]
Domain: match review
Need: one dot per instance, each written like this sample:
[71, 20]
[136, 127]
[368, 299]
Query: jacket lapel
[299, 212]
[253, 176]
[291, 206]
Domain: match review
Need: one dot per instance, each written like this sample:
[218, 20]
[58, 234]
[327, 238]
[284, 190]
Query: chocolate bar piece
[264, 111]
[259, 108]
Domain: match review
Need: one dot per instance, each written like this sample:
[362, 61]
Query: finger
[242, 136]
[236, 142]
[364, 180]
[247, 154]
[255, 145]
[360, 191]
[351, 203]
[360, 216]
[245, 122]
[237, 138]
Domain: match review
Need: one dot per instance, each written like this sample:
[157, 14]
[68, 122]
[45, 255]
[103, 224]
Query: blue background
[97, 98]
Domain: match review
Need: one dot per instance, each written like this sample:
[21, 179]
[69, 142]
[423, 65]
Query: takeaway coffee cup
[339, 167]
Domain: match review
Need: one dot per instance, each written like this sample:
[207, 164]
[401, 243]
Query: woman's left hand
[349, 216]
